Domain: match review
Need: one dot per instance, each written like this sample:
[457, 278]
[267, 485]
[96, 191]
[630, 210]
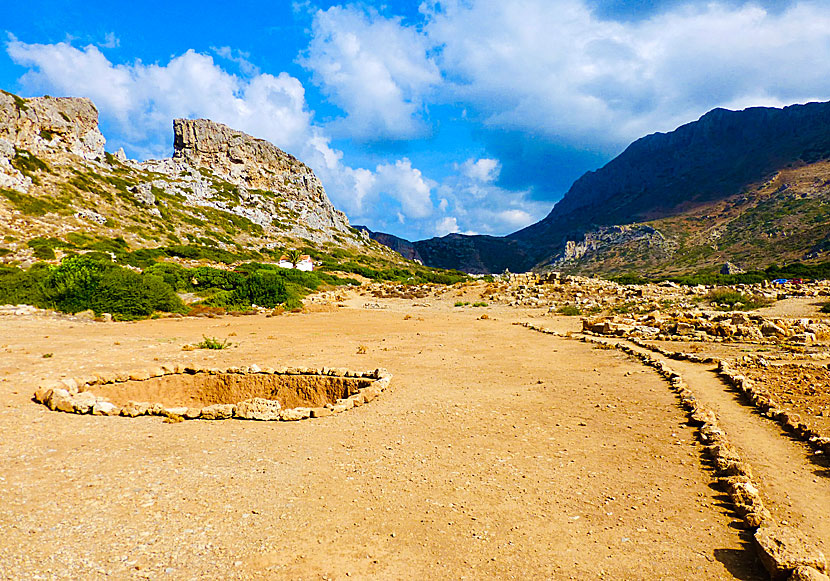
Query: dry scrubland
[496, 451]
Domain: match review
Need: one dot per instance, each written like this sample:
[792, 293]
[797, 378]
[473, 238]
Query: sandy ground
[496, 453]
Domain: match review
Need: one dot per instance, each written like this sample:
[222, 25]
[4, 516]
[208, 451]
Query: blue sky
[422, 119]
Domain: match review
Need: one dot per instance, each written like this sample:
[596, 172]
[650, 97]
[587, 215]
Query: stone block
[258, 408]
[218, 411]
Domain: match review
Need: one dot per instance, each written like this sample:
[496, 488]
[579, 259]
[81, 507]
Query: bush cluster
[85, 282]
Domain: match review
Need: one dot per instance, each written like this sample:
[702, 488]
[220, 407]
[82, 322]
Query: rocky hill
[222, 190]
[749, 186]
[403, 247]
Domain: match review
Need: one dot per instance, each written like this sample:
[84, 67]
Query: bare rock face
[256, 164]
[49, 124]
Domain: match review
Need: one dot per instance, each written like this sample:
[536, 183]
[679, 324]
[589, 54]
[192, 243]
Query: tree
[294, 255]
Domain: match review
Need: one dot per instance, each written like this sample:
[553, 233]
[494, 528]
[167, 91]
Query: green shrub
[22, 287]
[177, 277]
[569, 310]
[28, 164]
[32, 205]
[81, 282]
[731, 300]
[44, 248]
[212, 343]
[194, 252]
[263, 288]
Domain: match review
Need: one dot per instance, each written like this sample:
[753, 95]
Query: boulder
[105, 408]
[60, 400]
[134, 409]
[783, 549]
[294, 414]
[729, 268]
[769, 329]
[192, 413]
[82, 403]
[258, 408]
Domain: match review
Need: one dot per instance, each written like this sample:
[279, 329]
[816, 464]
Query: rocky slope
[221, 189]
[749, 185]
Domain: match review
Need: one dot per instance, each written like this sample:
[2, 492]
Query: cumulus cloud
[241, 58]
[558, 69]
[374, 68]
[472, 203]
[446, 225]
[561, 70]
[110, 41]
[141, 100]
[484, 170]
[406, 184]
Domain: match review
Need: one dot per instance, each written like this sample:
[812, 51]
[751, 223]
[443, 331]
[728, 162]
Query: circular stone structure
[186, 392]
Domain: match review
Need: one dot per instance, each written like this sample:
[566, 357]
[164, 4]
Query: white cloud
[484, 170]
[556, 68]
[239, 57]
[406, 184]
[446, 225]
[110, 41]
[471, 203]
[374, 68]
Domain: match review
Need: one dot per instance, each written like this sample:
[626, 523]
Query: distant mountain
[403, 247]
[665, 174]
[662, 202]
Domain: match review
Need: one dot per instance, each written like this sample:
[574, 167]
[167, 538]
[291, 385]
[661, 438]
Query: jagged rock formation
[222, 188]
[256, 164]
[43, 125]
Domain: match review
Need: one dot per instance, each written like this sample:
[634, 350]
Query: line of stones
[784, 551]
[760, 397]
[72, 395]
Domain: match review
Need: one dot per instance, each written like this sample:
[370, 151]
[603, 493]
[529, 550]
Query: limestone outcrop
[255, 164]
[221, 188]
[50, 123]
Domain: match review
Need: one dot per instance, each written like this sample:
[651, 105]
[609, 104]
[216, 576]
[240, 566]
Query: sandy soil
[496, 453]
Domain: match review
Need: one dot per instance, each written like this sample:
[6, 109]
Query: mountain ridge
[661, 176]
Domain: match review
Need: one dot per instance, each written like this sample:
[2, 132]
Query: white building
[305, 263]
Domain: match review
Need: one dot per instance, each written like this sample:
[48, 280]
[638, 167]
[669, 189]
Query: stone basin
[252, 393]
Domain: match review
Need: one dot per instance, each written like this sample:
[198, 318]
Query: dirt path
[496, 453]
[795, 487]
